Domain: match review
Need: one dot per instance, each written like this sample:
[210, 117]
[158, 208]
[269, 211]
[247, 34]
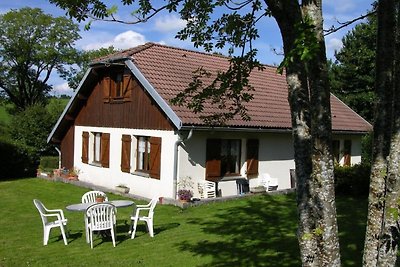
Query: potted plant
[73, 174]
[122, 188]
[185, 195]
[100, 198]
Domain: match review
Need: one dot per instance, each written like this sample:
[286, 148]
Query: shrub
[48, 163]
[352, 180]
[17, 160]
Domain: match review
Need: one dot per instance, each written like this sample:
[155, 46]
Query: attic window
[117, 87]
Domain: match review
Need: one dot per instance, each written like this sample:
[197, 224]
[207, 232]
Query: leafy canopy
[32, 45]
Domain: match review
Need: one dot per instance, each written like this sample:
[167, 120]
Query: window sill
[96, 164]
[142, 174]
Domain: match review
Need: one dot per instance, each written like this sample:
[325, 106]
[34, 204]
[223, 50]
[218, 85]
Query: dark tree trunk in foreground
[381, 240]
[309, 100]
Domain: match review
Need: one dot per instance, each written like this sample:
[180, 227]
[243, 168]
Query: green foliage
[32, 46]
[366, 148]
[352, 75]
[31, 128]
[48, 163]
[305, 46]
[16, 160]
[352, 180]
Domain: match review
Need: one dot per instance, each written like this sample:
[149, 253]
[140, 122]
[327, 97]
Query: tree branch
[333, 29]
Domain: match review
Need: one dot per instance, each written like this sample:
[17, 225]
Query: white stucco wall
[112, 176]
[275, 158]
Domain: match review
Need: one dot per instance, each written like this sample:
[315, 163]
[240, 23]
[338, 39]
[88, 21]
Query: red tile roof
[170, 70]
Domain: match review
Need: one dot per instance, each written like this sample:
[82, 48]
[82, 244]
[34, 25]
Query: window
[230, 156]
[143, 154]
[96, 148]
[347, 153]
[147, 156]
[117, 86]
[336, 151]
[252, 157]
[222, 158]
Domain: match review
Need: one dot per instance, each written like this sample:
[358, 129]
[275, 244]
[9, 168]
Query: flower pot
[122, 189]
[99, 199]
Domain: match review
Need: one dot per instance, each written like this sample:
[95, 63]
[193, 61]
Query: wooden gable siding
[67, 148]
[140, 113]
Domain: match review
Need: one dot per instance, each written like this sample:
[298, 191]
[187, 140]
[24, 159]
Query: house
[120, 128]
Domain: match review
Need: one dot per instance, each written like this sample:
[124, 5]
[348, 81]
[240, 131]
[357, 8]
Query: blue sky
[163, 27]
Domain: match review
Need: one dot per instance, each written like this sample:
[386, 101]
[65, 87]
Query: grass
[251, 231]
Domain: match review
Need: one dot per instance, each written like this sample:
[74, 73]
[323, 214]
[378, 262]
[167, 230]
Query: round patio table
[84, 206]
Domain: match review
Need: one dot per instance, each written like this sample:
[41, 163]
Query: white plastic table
[84, 206]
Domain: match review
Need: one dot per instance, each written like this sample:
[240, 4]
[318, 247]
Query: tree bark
[382, 183]
[309, 100]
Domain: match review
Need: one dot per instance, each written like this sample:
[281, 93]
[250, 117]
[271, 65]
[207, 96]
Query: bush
[17, 160]
[49, 163]
[352, 180]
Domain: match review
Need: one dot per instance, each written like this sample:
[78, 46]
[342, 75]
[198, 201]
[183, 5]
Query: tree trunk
[309, 101]
[382, 186]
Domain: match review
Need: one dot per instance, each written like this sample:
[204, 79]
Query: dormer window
[117, 86]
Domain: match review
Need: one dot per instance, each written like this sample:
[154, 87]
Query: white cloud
[123, 40]
[332, 45]
[61, 89]
[169, 23]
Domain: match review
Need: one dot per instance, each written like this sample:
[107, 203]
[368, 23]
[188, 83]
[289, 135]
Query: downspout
[175, 174]
[59, 157]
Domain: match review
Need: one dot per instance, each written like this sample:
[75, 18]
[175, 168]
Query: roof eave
[74, 96]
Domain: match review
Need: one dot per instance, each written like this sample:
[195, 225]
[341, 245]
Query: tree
[32, 45]
[353, 72]
[31, 127]
[306, 72]
[383, 229]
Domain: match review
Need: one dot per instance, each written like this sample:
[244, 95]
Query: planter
[99, 199]
[122, 189]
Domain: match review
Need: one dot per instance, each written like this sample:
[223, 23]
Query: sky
[163, 27]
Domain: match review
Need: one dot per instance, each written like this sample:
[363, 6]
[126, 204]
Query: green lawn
[251, 231]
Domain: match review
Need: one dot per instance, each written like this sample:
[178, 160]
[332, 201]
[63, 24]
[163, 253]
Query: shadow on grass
[352, 220]
[262, 232]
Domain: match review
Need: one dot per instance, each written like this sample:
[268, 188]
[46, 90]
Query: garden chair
[148, 217]
[207, 189]
[268, 182]
[90, 197]
[100, 217]
[46, 214]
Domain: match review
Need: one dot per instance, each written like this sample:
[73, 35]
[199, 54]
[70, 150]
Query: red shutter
[252, 157]
[127, 90]
[105, 150]
[213, 159]
[106, 89]
[126, 153]
[155, 157]
[85, 147]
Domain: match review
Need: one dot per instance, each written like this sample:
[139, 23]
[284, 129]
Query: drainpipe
[59, 157]
[176, 147]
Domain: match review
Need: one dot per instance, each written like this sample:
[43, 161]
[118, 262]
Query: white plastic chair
[100, 217]
[207, 189]
[47, 224]
[146, 218]
[268, 182]
[90, 197]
